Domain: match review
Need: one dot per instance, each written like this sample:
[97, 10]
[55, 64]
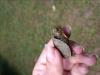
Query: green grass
[26, 25]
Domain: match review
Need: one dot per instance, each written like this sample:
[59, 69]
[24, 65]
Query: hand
[51, 62]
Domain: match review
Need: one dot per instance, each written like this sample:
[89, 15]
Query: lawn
[26, 25]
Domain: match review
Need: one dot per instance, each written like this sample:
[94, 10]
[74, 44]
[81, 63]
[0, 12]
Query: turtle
[61, 41]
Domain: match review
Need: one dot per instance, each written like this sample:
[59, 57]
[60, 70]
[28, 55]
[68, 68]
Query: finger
[50, 52]
[67, 65]
[89, 60]
[42, 57]
[75, 47]
[79, 69]
[54, 64]
[40, 66]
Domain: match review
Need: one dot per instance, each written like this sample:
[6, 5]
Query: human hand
[51, 62]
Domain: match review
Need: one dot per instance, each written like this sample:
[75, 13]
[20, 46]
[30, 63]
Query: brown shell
[63, 47]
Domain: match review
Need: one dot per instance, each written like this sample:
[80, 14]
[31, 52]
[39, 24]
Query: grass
[26, 25]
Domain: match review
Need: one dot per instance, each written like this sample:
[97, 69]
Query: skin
[51, 62]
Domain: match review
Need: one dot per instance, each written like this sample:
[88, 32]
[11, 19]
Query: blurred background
[26, 25]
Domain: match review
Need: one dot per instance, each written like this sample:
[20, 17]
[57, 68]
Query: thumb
[54, 61]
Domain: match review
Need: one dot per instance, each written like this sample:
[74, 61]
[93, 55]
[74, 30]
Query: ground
[26, 25]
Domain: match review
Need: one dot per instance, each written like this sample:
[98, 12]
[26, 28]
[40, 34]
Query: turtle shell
[62, 47]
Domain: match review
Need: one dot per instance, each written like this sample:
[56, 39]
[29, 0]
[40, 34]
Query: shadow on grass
[6, 68]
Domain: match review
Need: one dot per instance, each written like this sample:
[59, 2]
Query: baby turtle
[61, 40]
